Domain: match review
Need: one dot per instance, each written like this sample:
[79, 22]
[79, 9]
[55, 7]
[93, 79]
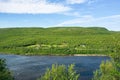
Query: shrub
[60, 72]
[5, 74]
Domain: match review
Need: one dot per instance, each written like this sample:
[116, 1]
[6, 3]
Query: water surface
[32, 67]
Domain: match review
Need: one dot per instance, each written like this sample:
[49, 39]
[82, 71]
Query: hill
[57, 40]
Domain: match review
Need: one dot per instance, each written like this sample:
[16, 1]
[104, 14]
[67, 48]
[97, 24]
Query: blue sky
[50, 13]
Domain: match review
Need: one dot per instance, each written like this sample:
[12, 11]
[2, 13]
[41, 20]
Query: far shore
[57, 54]
[90, 55]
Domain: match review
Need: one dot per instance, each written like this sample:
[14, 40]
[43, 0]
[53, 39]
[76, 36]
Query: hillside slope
[57, 40]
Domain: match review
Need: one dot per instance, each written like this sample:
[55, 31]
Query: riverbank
[56, 54]
[54, 41]
[90, 55]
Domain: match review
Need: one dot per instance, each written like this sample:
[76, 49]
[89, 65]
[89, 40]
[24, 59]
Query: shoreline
[90, 55]
[56, 54]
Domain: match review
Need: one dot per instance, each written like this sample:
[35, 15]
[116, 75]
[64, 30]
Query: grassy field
[58, 41]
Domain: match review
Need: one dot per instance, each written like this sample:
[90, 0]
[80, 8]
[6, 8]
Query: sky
[57, 13]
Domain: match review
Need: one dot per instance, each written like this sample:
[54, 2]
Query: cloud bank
[31, 7]
[110, 22]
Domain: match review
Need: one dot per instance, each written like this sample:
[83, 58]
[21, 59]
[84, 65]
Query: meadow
[58, 41]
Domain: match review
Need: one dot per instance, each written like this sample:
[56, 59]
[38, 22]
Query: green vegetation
[5, 74]
[60, 72]
[63, 41]
[105, 72]
[110, 70]
[58, 41]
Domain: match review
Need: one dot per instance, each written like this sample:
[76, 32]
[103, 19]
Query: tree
[5, 74]
[60, 72]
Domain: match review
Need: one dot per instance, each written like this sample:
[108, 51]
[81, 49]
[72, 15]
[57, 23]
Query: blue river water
[32, 67]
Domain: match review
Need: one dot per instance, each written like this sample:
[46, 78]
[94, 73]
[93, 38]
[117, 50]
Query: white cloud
[31, 7]
[79, 20]
[76, 1]
[110, 22]
[75, 14]
[92, 1]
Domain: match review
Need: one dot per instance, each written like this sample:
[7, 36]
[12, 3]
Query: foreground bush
[60, 72]
[5, 74]
[109, 70]
[105, 71]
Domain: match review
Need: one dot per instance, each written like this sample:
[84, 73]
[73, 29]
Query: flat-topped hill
[55, 31]
[57, 40]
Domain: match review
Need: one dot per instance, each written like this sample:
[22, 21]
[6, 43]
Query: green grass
[58, 40]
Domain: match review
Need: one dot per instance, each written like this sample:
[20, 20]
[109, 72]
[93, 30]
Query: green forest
[58, 41]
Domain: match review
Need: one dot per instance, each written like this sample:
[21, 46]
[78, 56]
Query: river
[32, 67]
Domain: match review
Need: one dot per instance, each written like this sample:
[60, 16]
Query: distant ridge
[59, 30]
